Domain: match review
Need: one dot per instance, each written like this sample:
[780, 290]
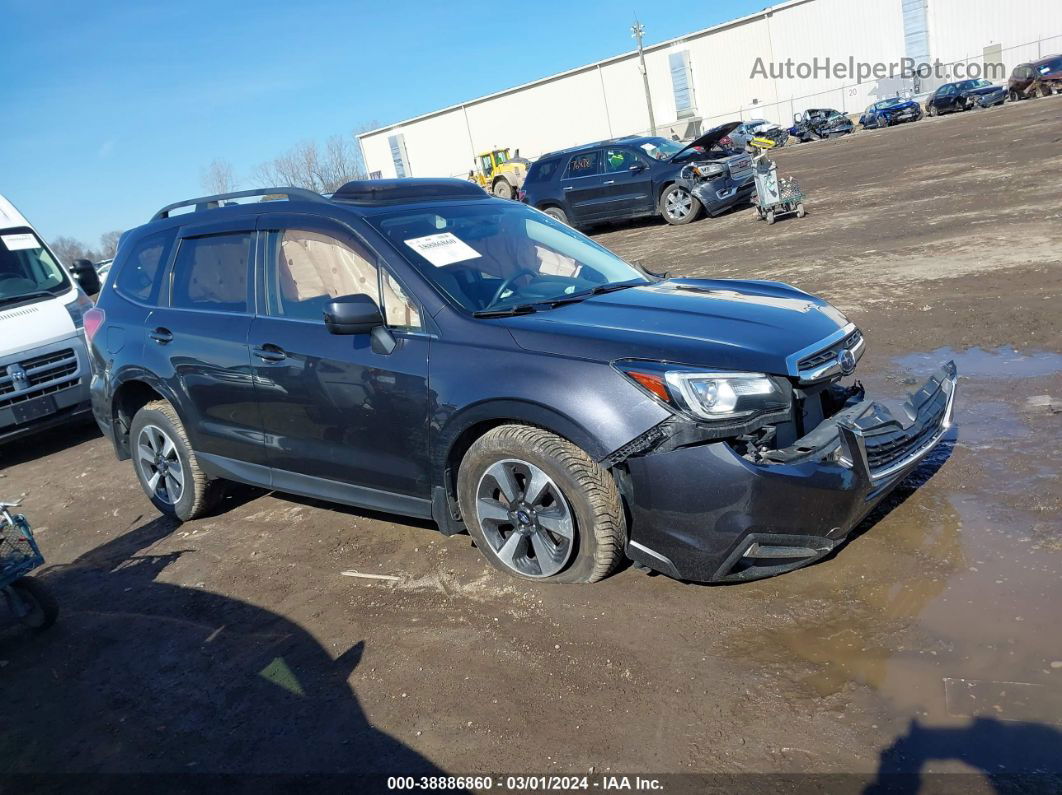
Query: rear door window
[542, 171]
[211, 272]
[139, 275]
[584, 164]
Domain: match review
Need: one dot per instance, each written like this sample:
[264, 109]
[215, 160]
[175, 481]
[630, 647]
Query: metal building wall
[606, 99]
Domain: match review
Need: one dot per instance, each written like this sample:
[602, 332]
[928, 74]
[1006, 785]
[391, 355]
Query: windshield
[27, 270]
[662, 148]
[968, 84]
[494, 255]
[887, 103]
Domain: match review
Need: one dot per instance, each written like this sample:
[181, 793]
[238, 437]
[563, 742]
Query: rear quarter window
[139, 270]
[542, 170]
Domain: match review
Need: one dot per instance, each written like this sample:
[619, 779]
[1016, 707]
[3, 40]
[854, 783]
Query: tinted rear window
[140, 270]
[542, 170]
[585, 164]
[211, 272]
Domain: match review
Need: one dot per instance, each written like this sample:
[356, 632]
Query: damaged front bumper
[706, 513]
[721, 194]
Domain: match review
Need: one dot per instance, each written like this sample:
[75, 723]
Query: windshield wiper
[601, 289]
[551, 303]
[11, 299]
[520, 309]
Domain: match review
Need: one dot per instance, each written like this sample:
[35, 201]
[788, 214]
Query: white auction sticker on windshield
[20, 242]
[442, 249]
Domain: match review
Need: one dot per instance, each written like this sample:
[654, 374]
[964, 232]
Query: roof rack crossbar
[210, 202]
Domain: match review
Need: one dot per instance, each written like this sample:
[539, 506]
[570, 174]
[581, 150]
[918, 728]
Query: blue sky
[113, 109]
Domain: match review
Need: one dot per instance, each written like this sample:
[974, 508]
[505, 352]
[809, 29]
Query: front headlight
[708, 395]
[709, 170]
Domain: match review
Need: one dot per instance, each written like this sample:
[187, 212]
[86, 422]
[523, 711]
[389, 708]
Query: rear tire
[678, 206]
[557, 214]
[166, 465]
[42, 608]
[561, 521]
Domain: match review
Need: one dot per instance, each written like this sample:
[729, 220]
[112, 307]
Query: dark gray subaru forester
[418, 347]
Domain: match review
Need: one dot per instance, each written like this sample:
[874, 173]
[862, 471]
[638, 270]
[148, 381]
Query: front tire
[503, 190]
[539, 507]
[165, 464]
[678, 206]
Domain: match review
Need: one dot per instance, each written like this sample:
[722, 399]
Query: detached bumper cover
[704, 513]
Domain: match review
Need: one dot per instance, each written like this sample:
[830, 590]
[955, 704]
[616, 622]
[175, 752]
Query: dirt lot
[932, 641]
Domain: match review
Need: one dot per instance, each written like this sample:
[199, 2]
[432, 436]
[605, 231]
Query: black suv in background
[419, 347]
[638, 176]
[964, 95]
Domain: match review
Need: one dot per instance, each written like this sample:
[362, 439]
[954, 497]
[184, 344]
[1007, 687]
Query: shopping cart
[30, 601]
[774, 197]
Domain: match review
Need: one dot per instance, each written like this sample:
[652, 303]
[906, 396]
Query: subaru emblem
[846, 361]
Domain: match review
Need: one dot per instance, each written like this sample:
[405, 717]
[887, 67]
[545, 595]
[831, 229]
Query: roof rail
[211, 202]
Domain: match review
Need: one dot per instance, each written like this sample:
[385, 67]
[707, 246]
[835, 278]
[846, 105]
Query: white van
[44, 365]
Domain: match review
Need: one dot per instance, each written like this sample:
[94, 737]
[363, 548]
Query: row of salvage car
[1027, 80]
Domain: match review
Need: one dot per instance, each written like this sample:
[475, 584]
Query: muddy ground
[932, 641]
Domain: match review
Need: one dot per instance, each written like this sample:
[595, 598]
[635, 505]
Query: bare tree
[218, 177]
[109, 243]
[320, 169]
[68, 249]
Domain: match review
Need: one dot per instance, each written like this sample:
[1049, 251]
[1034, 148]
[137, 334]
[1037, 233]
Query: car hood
[29, 326]
[709, 139]
[719, 323]
[983, 90]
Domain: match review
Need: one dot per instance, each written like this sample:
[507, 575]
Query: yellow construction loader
[498, 173]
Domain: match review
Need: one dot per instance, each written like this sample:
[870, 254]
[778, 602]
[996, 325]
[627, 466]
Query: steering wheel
[507, 283]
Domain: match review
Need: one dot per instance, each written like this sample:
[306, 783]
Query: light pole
[637, 31]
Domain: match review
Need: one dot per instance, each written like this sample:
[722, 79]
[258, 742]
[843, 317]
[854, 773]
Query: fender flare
[499, 412]
[140, 375]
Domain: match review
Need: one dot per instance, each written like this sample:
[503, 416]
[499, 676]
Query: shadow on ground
[1014, 757]
[46, 443]
[141, 676]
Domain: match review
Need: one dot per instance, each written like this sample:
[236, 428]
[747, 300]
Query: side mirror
[636, 168]
[86, 276]
[796, 117]
[353, 314]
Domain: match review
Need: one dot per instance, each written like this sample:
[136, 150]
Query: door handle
[161, 335]
[610, 182]
[567, 188]
[269, 353]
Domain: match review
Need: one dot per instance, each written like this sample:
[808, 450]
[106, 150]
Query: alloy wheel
[679, 203]
[525, 518]
[160, 464]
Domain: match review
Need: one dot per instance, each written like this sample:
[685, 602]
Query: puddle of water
[977, 363]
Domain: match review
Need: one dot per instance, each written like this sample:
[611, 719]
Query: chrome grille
[829, 354]
[887, 448]
[44, 375]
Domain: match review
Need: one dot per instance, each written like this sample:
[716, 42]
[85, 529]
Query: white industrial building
[706, 78]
